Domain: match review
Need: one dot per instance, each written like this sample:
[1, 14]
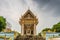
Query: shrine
[28, 23]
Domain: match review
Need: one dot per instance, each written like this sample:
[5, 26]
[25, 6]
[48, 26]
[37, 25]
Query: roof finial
[28, 8]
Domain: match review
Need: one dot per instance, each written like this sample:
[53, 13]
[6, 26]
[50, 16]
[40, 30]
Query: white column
[22, 29]
[34, 29]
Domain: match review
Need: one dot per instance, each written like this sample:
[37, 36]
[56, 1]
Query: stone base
[29, 38]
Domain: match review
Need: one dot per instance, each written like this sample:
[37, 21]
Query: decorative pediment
[28, 15]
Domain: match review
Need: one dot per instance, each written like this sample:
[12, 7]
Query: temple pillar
[34, 29]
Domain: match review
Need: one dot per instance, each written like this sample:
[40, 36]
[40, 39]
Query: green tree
[39, 34]
[46, 29]
[2, 23]
[56, 27]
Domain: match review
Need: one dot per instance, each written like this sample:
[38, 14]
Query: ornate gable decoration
[28, 15]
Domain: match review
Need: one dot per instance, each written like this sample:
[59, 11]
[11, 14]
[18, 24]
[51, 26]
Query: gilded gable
[28, 18]
[28, 15]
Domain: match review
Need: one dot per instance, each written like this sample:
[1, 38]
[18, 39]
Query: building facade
[28, 23]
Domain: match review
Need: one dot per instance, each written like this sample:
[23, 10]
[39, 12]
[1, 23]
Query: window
[25, 32]
[32, 32]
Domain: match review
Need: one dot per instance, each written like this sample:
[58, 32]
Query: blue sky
[47, 12]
